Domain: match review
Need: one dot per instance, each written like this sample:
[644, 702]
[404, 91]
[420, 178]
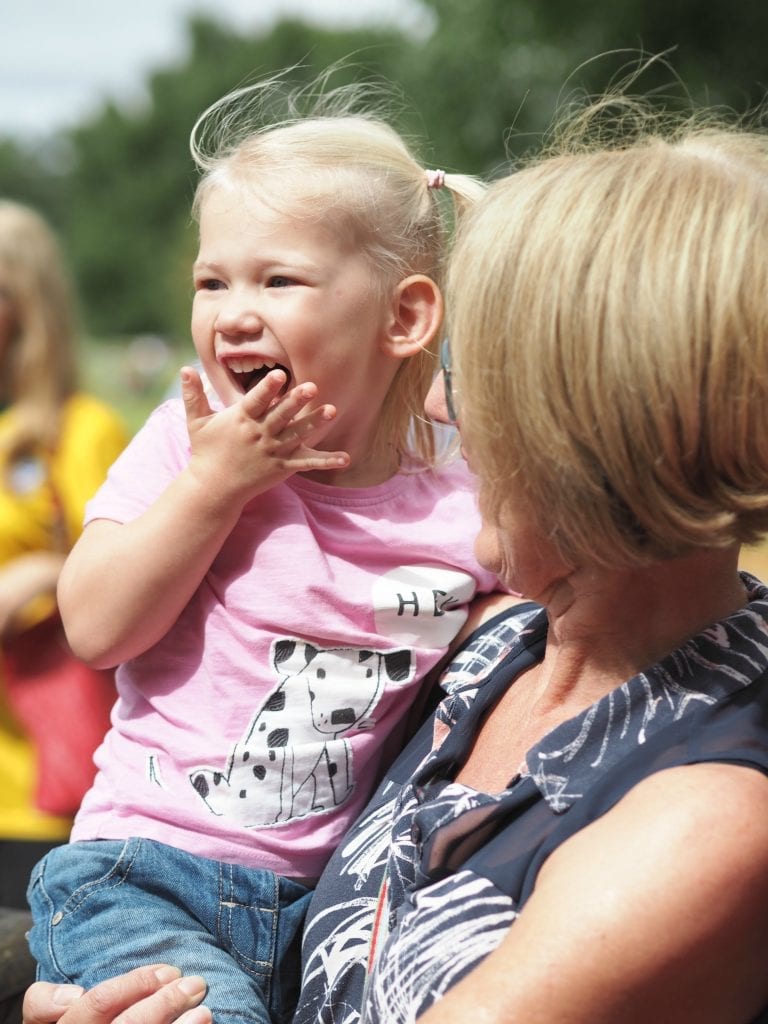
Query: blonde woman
[56, 444]
[589, 841]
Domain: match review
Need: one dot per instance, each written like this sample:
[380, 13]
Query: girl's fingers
[265, 395]
[302, 427]
[320, 460]
[195, 401]
[265, 400]
[288, 422]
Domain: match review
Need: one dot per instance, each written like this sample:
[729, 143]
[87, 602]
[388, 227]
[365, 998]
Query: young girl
[277, 565]
[56, 445]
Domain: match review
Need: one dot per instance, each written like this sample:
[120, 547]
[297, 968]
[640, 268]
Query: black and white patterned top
[458, 864]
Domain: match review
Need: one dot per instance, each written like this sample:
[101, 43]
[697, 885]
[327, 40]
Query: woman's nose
[434, 404]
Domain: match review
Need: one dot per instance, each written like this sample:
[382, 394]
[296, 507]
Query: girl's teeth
[249, 365]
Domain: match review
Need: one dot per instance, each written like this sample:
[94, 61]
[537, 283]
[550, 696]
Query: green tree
[132, 182]
[493, 73]
[34, 176]
[485, 82]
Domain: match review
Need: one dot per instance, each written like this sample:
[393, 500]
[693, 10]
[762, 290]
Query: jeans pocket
[64, 898]
[248, 911]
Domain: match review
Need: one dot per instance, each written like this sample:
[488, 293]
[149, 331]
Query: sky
[60, 59]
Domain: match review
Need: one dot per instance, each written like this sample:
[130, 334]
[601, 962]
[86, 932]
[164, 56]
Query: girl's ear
[415, 316]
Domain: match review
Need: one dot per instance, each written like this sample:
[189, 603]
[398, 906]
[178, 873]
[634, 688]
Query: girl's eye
[208, 284]
[279, 281]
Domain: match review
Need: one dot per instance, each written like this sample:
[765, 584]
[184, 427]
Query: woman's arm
[656, 913]
[124, 585]
[147, 995]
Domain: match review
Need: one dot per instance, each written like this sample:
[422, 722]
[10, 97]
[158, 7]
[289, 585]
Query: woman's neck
[604, 628]
[607, 625]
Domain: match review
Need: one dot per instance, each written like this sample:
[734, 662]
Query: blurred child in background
[56, 444]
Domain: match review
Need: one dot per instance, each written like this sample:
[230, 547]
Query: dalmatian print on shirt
[294, 759]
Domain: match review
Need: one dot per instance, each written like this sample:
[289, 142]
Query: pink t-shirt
[255, 730]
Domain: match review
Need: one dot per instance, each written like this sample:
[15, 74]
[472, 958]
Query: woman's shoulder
[736, 793]
[702, 823]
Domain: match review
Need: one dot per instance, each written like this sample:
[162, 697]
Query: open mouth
[246, 374]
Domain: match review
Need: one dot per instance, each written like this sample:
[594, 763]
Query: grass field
[133, 375]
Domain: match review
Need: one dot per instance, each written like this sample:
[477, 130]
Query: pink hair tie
[435, 179]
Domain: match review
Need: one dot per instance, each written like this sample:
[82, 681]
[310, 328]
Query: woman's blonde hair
[330, 154]
[608, 309]
[39, 361]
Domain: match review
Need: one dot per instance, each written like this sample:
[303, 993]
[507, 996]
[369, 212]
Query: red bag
[63, 707]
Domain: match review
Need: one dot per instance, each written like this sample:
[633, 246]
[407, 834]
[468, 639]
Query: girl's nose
[238, 314]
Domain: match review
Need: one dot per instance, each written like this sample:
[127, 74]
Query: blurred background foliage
[480, 86]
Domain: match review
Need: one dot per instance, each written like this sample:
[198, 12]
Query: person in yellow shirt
[56, 444]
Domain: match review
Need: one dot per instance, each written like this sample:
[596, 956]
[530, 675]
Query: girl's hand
[147, 995]
[262, 439]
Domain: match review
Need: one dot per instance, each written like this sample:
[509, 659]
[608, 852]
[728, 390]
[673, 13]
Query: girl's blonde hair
[331, 153]
[39, 362]
[608, 310]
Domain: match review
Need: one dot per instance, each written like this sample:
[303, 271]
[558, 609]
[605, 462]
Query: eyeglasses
[445, 366]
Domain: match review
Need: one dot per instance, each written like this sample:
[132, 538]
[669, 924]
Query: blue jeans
[104, 907]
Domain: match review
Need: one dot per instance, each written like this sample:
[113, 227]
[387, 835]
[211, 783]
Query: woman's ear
[415, 316]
